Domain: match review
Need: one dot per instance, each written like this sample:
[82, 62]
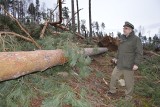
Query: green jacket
[130, 51]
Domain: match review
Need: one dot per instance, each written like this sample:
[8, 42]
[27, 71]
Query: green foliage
[77, 59]
[6, 21]
[35, 30]
[15, 93]
[123, 103]
[65, 95]
[149, 87]
[53, 88]
[8, 43]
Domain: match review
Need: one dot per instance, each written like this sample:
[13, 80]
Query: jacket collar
[130, 35]
[124, 38]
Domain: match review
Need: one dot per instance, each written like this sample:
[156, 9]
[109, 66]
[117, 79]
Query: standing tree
[83, 27]
[139, 34]
[14, 8]
[119, 34]
[150, 40]
[20, 11]
[37, 14]
[43, 9]
[65, 14]
[73, 18]
[155, 39]
[97, 27]
[31, 11]
[5, 3]
[103, 26]
[78, 17]
[145, 38]
[90, 19]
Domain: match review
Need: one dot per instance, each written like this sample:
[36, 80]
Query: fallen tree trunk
[92, 51]
[16, 64]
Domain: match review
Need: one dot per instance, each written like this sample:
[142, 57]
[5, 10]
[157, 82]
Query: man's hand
[114, 60]
[135, 67]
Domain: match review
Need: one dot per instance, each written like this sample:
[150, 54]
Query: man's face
[127, 30]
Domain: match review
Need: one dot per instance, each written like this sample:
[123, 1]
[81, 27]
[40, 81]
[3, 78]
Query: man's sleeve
[139, 52]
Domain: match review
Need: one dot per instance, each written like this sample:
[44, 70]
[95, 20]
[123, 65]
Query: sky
[144, 13]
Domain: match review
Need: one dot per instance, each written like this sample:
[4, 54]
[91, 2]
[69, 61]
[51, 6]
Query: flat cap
[128, 24]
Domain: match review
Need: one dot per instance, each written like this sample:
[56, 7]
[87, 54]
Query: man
[129, 56]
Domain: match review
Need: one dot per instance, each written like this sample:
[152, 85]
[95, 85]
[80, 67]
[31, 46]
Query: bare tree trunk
[16, 64]
[73, 18]
[44, 29]
[90, 19]
[78, 17]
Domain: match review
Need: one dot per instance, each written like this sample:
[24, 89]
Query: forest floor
[97, 84]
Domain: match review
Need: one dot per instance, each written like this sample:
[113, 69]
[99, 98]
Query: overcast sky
[114, 13]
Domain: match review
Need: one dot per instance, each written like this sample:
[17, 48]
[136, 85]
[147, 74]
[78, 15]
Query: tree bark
[73, 18]
[16, 64]
[90, 19]
[78, 22]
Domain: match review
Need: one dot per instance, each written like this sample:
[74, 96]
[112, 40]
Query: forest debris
[16, 64]
[140, 77]
[63, 74]
[74, 15]
[15, 34]
[22, 28]
[150, 53]
[53, 32]
[105, 81]
[157, 82]
[67, 29]
[109, 42]
[44, 29]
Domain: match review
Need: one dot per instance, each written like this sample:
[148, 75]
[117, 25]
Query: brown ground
[98, 81]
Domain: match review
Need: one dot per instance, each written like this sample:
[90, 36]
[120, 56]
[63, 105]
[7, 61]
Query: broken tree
[16, 64]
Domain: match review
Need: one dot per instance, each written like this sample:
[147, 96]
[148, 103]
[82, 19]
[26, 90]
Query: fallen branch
[15, 34]
[74, 15]
[53, 32]
[157, 82]
[140, 77]
[44, 28]
[150, 53]
[16, 64]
